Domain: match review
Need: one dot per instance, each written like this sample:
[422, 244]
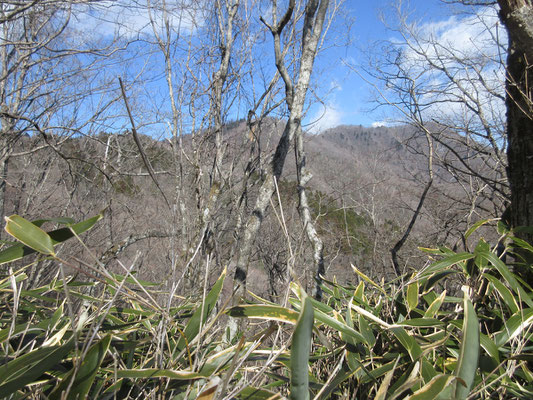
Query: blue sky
[345, 98]
[350, 101]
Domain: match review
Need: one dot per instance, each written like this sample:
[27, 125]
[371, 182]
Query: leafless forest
[184, 130]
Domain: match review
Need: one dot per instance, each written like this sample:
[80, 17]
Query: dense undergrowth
[459, 328]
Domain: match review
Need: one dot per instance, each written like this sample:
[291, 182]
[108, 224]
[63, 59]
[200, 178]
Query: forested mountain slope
[366, 183]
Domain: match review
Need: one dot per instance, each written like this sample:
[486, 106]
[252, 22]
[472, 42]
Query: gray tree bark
[517, 16]
[305, 215]
[315, 14]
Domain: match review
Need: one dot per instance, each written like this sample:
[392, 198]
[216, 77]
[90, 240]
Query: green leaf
[372, 375]
[522, 243]
[85, 373]
[382, 391]
[490, 347]
[366, 331]
[469, 356]
[59, 220]
[433, 388]
[482, 248]
[434, 307]
[502, 228]
[359, 293]
[445, 263]
[29, 234]
[250, 392]
[19, 250]
[199, 317]
[261, 311]
[421, 322]
[435, 278]
[152, 373]
[412, 295]
[411, 380]
[26, 369]
[506, 294]
[7, 282]
[508, 276]
[476, 226]
[131, 280]
[408, 342]
[339, 326]
[514, 326]
[300, 348]
[368, 280]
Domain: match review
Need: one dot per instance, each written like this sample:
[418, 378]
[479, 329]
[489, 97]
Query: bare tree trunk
[305, 215]
[399, 244]
[517, 16]
[315, 14]
[4, 162]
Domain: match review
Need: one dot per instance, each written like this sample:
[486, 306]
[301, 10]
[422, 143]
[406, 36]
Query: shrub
[419, 337]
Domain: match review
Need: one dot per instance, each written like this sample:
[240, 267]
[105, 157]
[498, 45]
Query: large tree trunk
[517, 16]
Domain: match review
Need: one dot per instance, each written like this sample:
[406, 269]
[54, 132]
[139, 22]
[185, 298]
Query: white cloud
[131, 18]
[379, 124]
[457, 66]
[471, 35]
[327, 116]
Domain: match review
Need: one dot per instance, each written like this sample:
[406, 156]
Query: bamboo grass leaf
[514, 326]
[433, 389]
[490, 347]
[469, 357]
[408, 342]
[300, 348]
[154, 373]
[382, 391]
[435, 278]
[366, 331]
[508, 276]
[412, 295]
[85, 374]
[412, 380]
[421, 322]
[19, 250]
[477, 225]
[522, 243]
[250, 392]
[261, 311]
[506, 294]
[443, 264]
[25, 369]
[338, 325]
[200, 315]
[359, 293]
[434, 307]
[29, 234]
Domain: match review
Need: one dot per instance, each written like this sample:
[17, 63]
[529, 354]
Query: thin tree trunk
[315, 15]
[305, 215]
[4, 164]
[399, 244]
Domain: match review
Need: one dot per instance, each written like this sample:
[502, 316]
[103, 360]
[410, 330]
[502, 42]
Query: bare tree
[47, 70]
[517, 17]
[315, 15]
[451, 94]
